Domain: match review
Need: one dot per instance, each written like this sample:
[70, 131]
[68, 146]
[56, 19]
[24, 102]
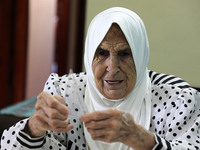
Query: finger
[103, 135]
[99, 115]
[98, 132]
[54, 103]
[52, 124]
[60, 99]
[49, 111]
[40, 102]
[112, 124]
[54, 114]
[65, 128]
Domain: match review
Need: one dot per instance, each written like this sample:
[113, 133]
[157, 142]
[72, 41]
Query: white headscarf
[138, 102]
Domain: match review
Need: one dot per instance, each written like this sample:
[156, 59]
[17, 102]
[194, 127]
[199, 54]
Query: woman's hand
[50, 114]
[114, 125]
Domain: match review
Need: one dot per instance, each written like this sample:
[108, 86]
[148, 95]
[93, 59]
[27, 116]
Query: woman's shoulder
[170, 97]
[172, 89]
[168, 91]
[175, 111]
[167, 79]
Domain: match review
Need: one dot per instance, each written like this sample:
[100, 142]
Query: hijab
[138, 102]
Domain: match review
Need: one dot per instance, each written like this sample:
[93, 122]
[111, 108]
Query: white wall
[40, 44]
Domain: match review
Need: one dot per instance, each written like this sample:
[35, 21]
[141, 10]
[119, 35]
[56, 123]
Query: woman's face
[113, 65]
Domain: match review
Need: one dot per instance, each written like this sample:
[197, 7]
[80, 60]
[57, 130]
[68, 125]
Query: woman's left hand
[114, 125]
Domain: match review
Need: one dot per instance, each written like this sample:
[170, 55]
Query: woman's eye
[124, 53]
[103, 53]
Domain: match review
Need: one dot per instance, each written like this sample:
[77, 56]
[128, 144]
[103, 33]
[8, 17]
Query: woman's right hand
[50, 113]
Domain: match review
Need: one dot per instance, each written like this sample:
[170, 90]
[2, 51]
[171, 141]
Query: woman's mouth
[113, 82]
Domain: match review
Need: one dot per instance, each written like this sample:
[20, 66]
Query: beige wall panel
[173, 29]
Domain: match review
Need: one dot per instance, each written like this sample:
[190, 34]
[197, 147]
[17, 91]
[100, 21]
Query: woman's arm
[175, 132]
[114, 125]
[16, 138]
[38, 131]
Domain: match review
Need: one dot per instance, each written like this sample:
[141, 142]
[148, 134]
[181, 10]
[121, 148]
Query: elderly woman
[126, 108]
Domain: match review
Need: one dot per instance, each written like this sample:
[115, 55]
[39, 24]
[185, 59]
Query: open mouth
[114, 81]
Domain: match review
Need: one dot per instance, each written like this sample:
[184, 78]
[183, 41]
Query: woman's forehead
[114, 30]
[114, 34]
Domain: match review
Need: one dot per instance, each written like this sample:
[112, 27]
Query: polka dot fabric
[175, 116]
[72, 88]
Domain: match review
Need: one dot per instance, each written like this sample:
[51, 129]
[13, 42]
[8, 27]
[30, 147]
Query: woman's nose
[112, 63]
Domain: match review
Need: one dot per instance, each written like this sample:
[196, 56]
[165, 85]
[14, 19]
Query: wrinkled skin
[50, 114]
[115, 77]
[114, 125]
[113, 65]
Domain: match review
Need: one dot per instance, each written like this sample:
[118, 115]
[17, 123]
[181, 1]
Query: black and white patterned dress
[175, 116]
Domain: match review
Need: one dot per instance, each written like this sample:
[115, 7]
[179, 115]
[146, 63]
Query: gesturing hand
[109, 126]
[50, 114]
[114, 125]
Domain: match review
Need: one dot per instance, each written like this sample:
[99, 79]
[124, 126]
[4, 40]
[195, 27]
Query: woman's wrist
[32, 132]
[141, 140]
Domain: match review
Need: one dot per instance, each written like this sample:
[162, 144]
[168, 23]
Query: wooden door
[13, 49]
[13, 44]
[70, 35]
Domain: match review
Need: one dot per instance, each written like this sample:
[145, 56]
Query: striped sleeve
[15, 138]
[161, 144]
[31, 143]
[160, 78]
